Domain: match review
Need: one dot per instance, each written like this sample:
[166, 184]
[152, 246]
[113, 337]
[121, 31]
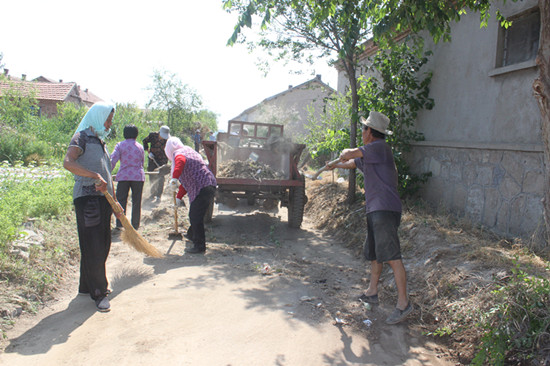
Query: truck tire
[296, 203]
[250, 200]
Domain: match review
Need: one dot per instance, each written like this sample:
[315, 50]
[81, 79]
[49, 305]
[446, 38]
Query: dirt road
[219, 308]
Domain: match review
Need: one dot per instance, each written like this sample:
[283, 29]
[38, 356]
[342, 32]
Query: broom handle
[113, 203]
[116, 208]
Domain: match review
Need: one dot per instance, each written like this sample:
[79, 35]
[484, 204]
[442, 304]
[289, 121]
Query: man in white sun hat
[383, 206]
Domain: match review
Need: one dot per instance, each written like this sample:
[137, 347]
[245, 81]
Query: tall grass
[41, 192]
[42, 195]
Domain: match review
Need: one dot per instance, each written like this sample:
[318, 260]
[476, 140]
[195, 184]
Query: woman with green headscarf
[88, 159]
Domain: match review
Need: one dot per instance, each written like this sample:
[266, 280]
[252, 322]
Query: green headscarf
[95, 118]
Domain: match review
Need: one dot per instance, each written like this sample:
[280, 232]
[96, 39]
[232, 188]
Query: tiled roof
[88, 96]
[44, 90]
[45, 79]
[54, 91]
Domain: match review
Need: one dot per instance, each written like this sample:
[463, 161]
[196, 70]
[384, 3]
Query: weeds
[30, 192]
[272, 236]
[517, 328]
[40, 198]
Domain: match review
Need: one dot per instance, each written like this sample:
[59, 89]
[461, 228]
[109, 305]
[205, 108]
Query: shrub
[517, 328]
[16, 146]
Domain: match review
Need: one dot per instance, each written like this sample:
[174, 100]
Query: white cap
[165, 132]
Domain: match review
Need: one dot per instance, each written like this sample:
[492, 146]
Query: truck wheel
[297, 201]
[250, 200]
[209, 212]
[270, 204]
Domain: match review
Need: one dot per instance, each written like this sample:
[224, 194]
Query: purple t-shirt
[130, 153]
[195, 175]
[380, 174]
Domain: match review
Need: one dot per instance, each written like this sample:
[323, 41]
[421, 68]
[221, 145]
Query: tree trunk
[353, 129]
[541, 88]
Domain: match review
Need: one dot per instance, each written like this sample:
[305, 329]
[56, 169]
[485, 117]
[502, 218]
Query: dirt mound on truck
[247, 169]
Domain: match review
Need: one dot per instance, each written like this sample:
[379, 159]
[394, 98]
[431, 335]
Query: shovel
[318, 172]
[154, 160]
[175, 234]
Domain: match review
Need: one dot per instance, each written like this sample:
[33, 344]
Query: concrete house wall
[483, 137]
[291, 106]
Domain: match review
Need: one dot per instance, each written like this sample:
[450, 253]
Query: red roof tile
[44, 90]
[88, 96]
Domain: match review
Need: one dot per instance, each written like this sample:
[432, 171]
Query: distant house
[483, 141]
[290, 107]
[49, 93]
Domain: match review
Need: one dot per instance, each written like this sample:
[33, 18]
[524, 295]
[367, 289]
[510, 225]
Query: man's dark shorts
[382, 242]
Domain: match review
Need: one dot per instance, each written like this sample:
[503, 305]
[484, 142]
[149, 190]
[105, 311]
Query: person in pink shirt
[191, 176]
[130, 175]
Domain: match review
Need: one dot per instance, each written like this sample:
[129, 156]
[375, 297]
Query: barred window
[519, 42]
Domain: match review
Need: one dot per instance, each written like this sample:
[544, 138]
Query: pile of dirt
[452, 266]
[248, 169]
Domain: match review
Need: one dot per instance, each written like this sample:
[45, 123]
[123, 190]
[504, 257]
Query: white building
[290, 107]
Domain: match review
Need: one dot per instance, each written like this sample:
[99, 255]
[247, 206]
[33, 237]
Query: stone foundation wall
[499, 187]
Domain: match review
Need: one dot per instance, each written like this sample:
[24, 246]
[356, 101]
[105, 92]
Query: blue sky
[113, 47]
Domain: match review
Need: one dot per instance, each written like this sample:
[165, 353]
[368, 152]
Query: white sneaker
[103, 305]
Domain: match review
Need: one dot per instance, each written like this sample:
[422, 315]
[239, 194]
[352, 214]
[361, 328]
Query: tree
[541, 88]
[179, 101]
[18, 104]
[207, 119]
[302, 30]
[396, 88]
[326, 132]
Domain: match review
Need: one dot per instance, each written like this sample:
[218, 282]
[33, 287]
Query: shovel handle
[175, 213]
[330, 163]
[335, 161]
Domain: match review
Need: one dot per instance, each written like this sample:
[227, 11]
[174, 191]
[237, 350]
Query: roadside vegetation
[36, 192]
[31, 199]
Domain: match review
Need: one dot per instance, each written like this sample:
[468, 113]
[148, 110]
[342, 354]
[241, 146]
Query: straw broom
[130, 235]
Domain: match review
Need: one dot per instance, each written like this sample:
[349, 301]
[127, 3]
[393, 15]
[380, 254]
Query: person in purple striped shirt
[130, 175]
